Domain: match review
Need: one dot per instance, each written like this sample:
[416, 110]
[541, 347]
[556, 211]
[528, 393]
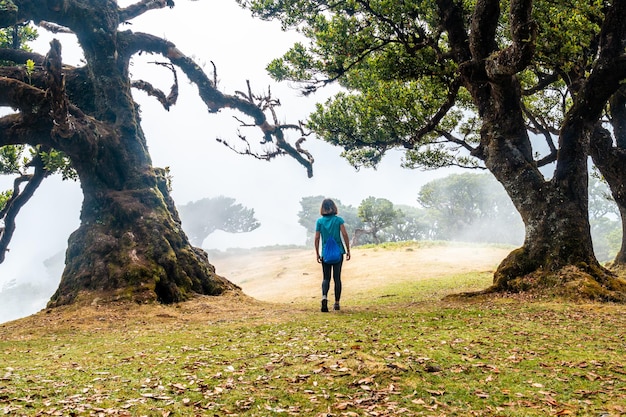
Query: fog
[183, 139]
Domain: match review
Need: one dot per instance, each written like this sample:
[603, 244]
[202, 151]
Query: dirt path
[291, 275]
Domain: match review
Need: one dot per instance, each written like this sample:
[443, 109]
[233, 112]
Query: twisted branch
[247, 103]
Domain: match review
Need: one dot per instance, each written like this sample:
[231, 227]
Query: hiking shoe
[324, 306]
[336, 306]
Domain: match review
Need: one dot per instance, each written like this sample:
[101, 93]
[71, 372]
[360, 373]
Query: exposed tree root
[576, 283]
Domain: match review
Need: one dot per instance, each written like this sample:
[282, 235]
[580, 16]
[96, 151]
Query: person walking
[331, 227]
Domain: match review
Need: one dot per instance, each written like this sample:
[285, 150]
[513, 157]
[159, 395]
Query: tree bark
[130, 244]
[554, 212]
[557, 254]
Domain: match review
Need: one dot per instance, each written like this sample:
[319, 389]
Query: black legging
[336, 273]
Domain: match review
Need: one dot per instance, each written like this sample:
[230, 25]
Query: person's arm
[346, 240]
[317, 246]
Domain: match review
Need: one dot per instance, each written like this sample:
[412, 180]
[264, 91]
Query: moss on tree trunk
[557, 256]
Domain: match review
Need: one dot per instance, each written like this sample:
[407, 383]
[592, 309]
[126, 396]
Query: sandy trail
[292, 275]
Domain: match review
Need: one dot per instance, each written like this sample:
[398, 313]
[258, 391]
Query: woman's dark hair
[328, 208]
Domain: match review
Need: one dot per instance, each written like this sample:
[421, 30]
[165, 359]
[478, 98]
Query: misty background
[184, 140]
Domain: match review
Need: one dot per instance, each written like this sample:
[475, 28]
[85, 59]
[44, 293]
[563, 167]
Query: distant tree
[411, 224]
[310, 212]
[377, 214]
[203, 217]
[608, 151]
[471, 207]
[475, 207]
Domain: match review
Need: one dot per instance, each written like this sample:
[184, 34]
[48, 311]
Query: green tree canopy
[412, 223]
[376, 215]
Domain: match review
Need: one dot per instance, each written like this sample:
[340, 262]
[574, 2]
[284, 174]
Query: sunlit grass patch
[418, 290]
[417, 244]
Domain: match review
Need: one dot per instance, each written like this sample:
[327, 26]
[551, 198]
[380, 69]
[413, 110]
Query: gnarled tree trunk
[557, 252]
[130, 245]
[557, 249]
[554, 211]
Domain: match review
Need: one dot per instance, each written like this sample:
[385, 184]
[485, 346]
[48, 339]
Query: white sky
[240, 47]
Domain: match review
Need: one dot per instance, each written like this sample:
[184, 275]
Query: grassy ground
[399, 349]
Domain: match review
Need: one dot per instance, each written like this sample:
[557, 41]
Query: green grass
[423, 290]
[402, 350]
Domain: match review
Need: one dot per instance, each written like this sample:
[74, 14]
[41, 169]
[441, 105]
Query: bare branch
[143, 6]
[167, 101]
[299, 148]
[483, 28]
[19, 56]
[608, 70]
[544, 81]
[545, 132]
[214, 73]
[19, 95]
[215, 100]
[432, 123]
[267, 156]
[457, 141]
[150, 90]
[250, 97]
[53, 27]
[9, 125]
[282, 147]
